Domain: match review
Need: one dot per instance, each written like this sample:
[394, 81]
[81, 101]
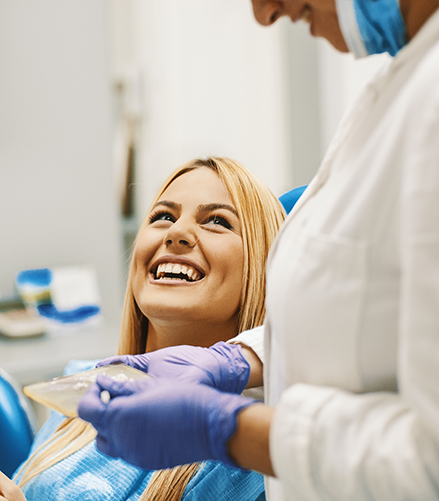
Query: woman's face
[321, 15]
[188, 260]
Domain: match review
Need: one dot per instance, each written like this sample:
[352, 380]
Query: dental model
[64, 393]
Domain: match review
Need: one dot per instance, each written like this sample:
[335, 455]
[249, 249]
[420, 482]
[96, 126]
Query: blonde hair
[260, 215]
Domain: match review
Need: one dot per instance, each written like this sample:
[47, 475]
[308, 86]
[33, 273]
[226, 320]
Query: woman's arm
[252, 343]
[9, 491]
[256, 367]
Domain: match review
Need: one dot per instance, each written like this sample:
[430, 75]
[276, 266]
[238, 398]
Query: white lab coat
[352, 331]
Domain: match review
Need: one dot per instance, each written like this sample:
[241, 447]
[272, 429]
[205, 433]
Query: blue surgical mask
[371, 26]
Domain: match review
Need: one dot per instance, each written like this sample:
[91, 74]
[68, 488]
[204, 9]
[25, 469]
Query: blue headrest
[16, 434]
[289, 199]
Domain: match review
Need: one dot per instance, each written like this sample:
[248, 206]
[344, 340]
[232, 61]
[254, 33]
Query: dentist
[351, 366]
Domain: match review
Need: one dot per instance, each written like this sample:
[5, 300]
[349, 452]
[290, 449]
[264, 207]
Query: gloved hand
[222, 366]
[161, 423]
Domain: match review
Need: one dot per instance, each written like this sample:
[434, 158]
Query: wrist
[234, 367]
[249, 446]
[221, 424]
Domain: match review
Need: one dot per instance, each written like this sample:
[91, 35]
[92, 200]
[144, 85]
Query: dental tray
[17, 321]
[64, 393]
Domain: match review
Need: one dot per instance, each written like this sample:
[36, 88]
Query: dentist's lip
[306, 15]
[182, 260]
[303, 15]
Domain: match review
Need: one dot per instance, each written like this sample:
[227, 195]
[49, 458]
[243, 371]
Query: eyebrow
[212, 207]
[167, 203]
[201, 208]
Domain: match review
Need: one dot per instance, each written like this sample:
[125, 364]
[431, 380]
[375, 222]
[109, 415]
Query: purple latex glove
[161, 423]
[222, 366]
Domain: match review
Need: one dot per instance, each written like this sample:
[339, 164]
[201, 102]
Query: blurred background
[101, 99]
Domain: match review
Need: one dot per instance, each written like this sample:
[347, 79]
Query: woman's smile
[175, 270]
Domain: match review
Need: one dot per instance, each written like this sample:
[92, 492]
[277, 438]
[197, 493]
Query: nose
[181, 234]
[267, 12]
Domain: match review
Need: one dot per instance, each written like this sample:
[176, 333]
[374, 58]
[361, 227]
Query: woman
[196, 277]
[352, 328]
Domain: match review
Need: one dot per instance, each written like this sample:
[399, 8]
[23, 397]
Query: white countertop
[30, 360]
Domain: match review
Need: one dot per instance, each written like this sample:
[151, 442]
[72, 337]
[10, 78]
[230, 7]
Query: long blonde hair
[260, 215]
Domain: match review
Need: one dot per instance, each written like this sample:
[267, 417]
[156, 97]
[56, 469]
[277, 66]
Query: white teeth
[176, 269]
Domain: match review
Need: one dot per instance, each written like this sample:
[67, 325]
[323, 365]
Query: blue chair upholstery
[289, 199]
[16, 426]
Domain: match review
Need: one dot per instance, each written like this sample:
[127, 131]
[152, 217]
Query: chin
[334, 36]
[161, 311]
[342, 47]
[339, 46]
[338, 42]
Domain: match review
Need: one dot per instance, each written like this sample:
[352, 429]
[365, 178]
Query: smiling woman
[196, 277]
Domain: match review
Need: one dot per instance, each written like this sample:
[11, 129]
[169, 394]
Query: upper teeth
[176, 269]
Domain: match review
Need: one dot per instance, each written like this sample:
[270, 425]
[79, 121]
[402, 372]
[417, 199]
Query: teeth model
[64, 393]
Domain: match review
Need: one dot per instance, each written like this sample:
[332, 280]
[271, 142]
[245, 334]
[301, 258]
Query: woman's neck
[415, 14]
[163, 334]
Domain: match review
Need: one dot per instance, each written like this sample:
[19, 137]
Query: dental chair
[17, 425]
[289, 199]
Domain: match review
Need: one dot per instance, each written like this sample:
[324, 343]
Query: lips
[303, 15]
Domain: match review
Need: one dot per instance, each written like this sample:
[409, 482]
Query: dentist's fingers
[91, 408]
[117, 388]
[139, 362]
[101, 443]
[120, 359]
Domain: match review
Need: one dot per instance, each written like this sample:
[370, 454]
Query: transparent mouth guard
[64, 393]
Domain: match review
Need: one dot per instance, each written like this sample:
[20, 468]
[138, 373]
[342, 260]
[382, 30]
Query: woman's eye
[162, 216]
[219, 221]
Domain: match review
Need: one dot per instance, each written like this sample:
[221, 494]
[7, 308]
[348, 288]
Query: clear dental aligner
[64, 393]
